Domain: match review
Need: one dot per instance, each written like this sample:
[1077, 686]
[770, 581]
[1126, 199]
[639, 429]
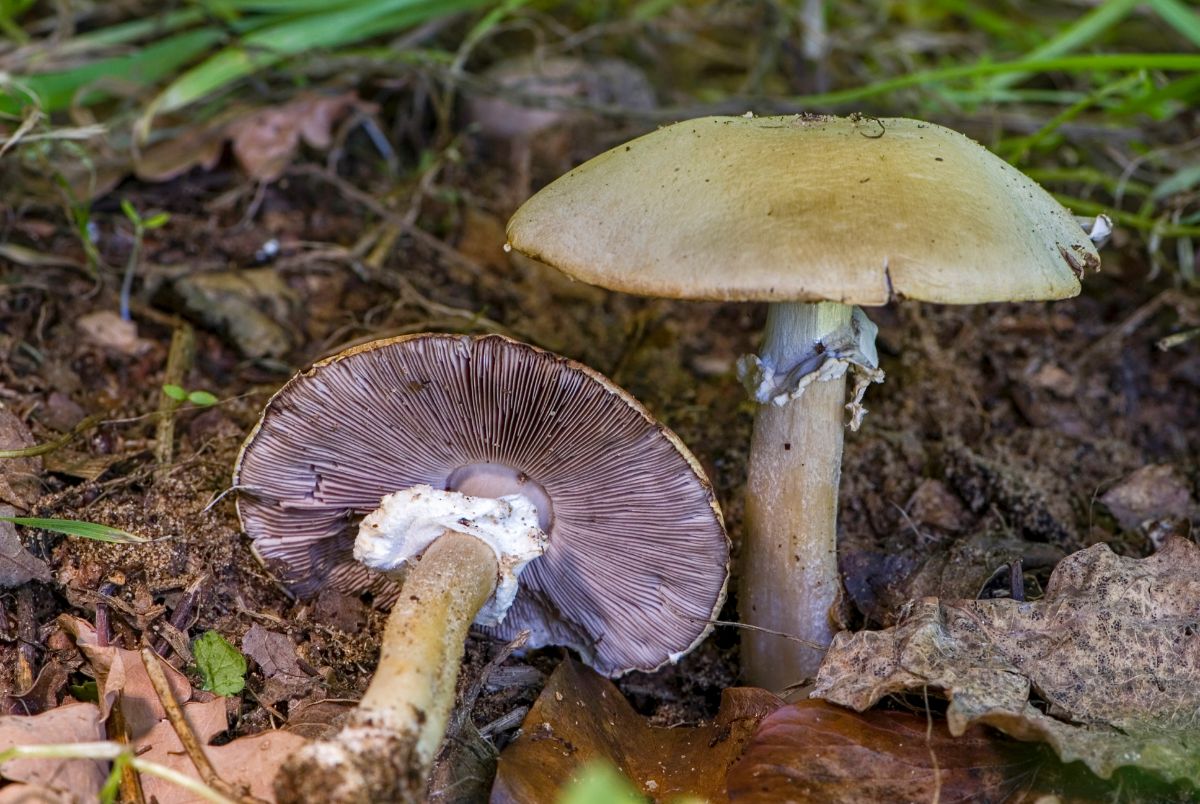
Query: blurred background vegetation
[1097, 100]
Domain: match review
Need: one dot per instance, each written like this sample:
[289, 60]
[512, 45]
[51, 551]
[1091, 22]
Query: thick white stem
[789, 574]
[386, 750]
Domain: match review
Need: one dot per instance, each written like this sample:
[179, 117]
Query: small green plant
[222, 666]
[180, 394]
[140, 227]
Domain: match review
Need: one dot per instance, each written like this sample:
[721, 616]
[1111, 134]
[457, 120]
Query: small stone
[1152, 492]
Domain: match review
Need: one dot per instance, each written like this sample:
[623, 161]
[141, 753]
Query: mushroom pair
[813, 215]
[521, 490]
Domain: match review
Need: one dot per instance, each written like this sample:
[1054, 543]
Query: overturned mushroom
[537, 495]
[814, 215]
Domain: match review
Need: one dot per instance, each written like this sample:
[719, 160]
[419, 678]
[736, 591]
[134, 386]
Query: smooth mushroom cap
[637, 560]
[859, 210]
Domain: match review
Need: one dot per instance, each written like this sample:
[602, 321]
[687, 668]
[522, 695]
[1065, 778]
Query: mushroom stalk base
[789, 573]
[386, 750]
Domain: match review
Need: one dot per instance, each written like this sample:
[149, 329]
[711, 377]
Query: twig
[115, 752]
[51, 446]
[423, 237]
[27, 634]
[117, 729]
[187, 737]
[179, 363]
[181, 617]
[1115, 336]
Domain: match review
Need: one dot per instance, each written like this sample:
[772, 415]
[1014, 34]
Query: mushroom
[538, 497]
[814, 215]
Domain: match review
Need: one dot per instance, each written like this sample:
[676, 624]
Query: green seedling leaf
[221, 665]
[130, 212]
[87, 691]
[201, 398]
[155, 221]
[175, 392]
[74, 527]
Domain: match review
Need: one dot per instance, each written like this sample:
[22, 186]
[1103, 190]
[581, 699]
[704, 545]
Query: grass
[1051, 79]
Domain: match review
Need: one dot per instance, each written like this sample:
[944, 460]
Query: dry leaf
[33, 794]
[109, 331]
[17, 565]
[816, 752]
[247, 306]
[120, 671]
[73, 723]
[274, 652]
[19, 477]
[1113, 648]
[266, 140]
[1152, 492]
[581, 717]
[250, 762]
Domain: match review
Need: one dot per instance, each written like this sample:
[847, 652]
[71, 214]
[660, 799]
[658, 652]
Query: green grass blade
[57, 91]
[1185, 21]
[274, 43]
[1178, 62]
[1184, 180]
[128, 32]
[75, 527]
[1084, 30]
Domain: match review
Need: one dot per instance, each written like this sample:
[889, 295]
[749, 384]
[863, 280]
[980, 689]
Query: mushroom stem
[386, 750]
[789, 577]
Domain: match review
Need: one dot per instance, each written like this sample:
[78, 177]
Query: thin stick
[179, 363]
[187, 737]
[112, 751]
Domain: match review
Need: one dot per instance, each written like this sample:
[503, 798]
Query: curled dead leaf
[121, 672]
[581, 717]
[1113, 649]
[73, 723]
[816, 752]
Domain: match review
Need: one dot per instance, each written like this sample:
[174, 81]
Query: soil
[996, 433]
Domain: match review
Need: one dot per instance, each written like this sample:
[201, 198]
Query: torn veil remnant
[519, 490]
[817, 216]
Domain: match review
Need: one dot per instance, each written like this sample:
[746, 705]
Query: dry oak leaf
[20, 478]
[581, 717]
[1113, 649]
[247, 762]
[80, 779]
[120, 671]
[264, 140]
[813, 751]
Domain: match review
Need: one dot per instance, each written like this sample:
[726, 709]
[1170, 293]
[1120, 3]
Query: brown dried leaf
[266, 140]
[1114, 648]
[19, 483]
[248, 762]
[1152, 492]
[816, 752]
[274, 652]
[73, 723]
[581, 717]
[17, 565]
[120, 671]
[110, 332]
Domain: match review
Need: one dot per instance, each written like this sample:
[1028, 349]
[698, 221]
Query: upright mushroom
[814, 215]
[488, 459]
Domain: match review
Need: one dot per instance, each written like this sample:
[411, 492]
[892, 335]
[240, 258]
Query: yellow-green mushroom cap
[858, 210]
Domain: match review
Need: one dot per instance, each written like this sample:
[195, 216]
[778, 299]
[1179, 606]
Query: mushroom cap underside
[859, 210]
[637, 561]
